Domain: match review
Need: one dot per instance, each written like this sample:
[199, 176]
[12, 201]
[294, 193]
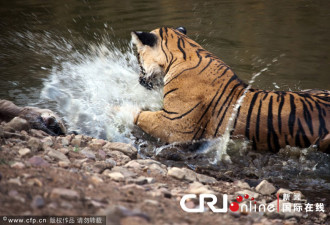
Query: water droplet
[234, 206]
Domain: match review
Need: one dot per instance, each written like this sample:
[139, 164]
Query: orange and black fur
[200, 92]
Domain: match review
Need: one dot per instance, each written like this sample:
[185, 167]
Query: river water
[75, 57]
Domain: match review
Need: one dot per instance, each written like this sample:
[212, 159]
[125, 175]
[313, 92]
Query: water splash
[98, 92]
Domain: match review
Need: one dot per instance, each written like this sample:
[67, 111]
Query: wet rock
[116, 176]
[119, 157]
[24, 151]
[127, 149]
[199, 188]
[17, 165]
[34, 144]
[37, 161]
[17, 124]
[37, 202]
[182, 174]
[206, 179]
[248, 192]
[58, 155]
[265, 188]
[64, 193]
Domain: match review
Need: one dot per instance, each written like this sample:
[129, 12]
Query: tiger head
[155, 53]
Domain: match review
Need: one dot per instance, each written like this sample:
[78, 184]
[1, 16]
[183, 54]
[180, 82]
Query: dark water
[290, 38]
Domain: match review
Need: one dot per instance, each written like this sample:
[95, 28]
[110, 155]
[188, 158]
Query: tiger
[200, 92]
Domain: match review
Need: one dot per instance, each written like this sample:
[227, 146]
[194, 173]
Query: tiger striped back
[200, 92]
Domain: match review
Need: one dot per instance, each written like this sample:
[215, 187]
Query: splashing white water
[98, 93]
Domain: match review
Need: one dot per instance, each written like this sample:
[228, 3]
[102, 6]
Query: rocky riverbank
[79, 175]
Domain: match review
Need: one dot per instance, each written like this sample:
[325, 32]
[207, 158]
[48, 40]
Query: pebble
[119, 157]
[88, 153]
[97, 144]
[127, 149]
[37, 202]
[24, 151]
[199, 188]
[47, 142]
[64, 193]
[37, 161]
[265, 188]
[17, 165]
[58, 155]
[96, 180]
[34, 144]
[63, 164]
[16, 181]
[63, 141]
[182, 174]
[206, 179]
[241, 184]
[116, 176]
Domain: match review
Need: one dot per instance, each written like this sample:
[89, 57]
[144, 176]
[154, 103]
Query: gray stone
[63, 141]
[64, 193]
[58, 155]
[63, 164]
[265, 188]
[97, 144]
[17, 165]
[199, 188]
[24, 151]
[182, 174]
[241, 184]
[47, 142]
[37, 202]
[127, 149]
[88, 153]
[37, 161]
[116, 176]
[206, 179]
[34, 144]
[119, 157]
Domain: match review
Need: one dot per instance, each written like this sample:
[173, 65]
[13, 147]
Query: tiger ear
[146, 38]
[182, 30]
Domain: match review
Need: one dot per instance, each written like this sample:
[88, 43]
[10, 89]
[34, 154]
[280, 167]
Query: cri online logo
[212, 200]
